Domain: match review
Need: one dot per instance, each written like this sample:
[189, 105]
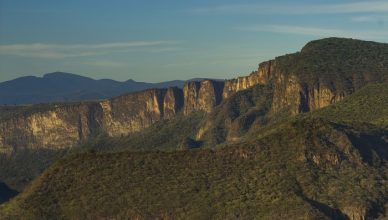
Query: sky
[157, 41]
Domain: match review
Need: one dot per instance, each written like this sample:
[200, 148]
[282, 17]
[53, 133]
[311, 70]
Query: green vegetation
[370, 104]
[12, 111]
[253, 164]
[235, 115]
[308, 167]
[339, 63]
[313, 166]
[301, 170]
[7, 111]
[165, 135]
[20, 168]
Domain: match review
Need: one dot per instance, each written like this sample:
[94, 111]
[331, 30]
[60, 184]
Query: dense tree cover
[338, 63]
[370, 104]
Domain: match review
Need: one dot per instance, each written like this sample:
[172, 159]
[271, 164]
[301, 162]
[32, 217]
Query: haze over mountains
[67, 87]
[305, 136]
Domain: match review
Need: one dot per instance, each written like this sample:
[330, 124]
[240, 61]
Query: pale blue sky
[171, 39]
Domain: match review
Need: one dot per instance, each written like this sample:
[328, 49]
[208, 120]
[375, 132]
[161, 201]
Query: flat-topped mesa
[204, 95]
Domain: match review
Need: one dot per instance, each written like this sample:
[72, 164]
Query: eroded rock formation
[294, 90]
[56, 127]
[205, 95]
[132, 112]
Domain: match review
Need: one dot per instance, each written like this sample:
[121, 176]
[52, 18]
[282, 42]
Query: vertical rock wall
[70, 124]
[173, 102]
[205, 96]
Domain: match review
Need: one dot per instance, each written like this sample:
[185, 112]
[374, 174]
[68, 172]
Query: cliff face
[191, 94]
[64, 126]
[205, 95]
[59, 127]
[132, 112]
[316, 77]
[290, 90]
[261, 76]
[173, 102]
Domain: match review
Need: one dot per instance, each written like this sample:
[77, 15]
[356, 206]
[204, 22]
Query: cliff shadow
[6, 193]
[330, 212]
[373, 148]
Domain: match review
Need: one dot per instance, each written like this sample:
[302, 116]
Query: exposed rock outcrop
[296, 87]
[356, 213]
[191, 94]
[205, 95]
[287, 94]
[318, 96]
[58, 127]
[132, 112]
[173, 102]
[261, 76]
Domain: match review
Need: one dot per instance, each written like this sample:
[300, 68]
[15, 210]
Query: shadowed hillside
[6, 193]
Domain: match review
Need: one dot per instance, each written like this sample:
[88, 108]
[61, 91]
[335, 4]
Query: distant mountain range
[68, 87]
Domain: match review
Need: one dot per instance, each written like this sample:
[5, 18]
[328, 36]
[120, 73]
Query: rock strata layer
[62, 126]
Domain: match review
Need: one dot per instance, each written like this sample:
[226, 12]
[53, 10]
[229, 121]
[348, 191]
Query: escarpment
[205, 95]
[262, 76]
[56, 127]
[132, 112]
[173, 102]
[322, 73]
